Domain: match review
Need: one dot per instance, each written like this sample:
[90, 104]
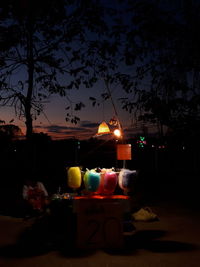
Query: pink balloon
[110, 182]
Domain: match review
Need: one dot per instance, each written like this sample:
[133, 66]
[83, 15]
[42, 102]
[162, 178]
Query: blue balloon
[93, 181]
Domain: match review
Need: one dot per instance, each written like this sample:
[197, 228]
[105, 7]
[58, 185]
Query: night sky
[52, 120]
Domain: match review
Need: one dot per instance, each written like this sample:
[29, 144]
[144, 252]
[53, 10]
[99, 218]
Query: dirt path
[173, 241]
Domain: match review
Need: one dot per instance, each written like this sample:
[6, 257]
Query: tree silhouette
[162, 47]
[46, 49]
[9, 131]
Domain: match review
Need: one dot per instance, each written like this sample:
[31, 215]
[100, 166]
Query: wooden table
[100, 221]
[93, 221]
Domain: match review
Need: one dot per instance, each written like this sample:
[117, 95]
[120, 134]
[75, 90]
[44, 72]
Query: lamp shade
[103, 129]
[74, 177]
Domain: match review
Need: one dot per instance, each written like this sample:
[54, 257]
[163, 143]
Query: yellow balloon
[74, 177]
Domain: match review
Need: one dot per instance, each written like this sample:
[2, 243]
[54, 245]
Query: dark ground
[168, 184]
[173, 240]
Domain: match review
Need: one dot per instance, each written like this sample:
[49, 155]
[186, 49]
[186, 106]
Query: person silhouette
[35, 195]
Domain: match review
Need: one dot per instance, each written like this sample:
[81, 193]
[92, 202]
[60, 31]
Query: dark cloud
[63, 132]
[88, 124]
[58, 129]
[51, 128]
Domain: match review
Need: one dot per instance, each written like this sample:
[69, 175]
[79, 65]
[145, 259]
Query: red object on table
[102, 197]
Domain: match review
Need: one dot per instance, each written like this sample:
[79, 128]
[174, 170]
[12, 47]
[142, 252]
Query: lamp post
[123, 150]
[116, 113]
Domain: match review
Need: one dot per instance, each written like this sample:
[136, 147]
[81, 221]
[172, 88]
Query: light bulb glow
[117, 132]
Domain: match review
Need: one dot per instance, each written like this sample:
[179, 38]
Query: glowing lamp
[103, 129]
[127, 179]
[117, 133]
[74, 177]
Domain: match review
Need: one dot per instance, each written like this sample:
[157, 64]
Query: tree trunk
[28, 101]
[29, 121]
